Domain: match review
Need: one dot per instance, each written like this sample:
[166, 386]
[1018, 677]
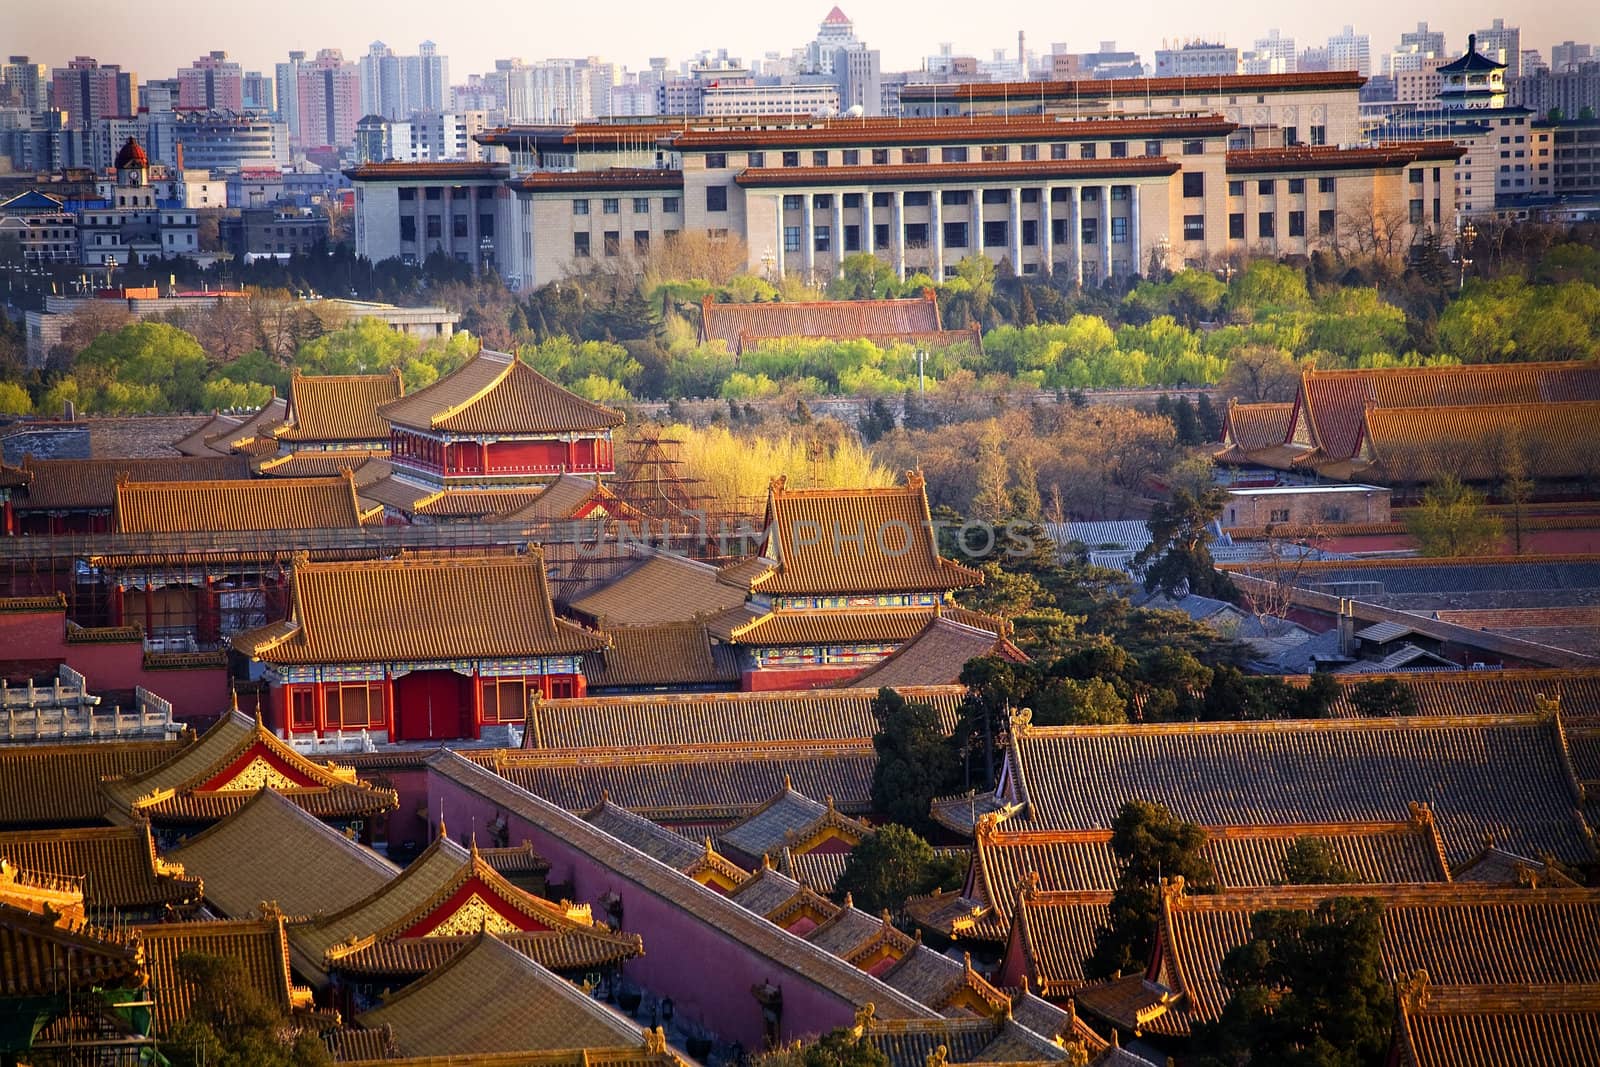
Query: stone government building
[1095, 191]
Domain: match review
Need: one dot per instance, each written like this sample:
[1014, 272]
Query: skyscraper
[330, 100]
[287, 84]
[1503, 44]
[257, 91]
[25, 83]
[213, 83]
[89, 92]
[1350, 51]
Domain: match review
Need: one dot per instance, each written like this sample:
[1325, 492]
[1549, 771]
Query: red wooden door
[432, 706]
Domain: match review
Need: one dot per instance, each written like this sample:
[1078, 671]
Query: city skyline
[193, 29]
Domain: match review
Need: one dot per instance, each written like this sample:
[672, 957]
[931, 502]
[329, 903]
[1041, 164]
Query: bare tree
[1372, 230]
[1278, 575]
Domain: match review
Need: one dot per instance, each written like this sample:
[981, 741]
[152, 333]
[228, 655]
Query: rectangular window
[823, 236]
[1030, 232]
[880, 235]
[1091, 231]
[435, 226]
[1194, 227]
[356, 706]
[1120, 192]
[996, 196]
[921, 198]
[1297, 224]
[1194, 148]
[505, 700]
[580, 207]
[1325, 223]
[1416, 212]
[995, 153]
[1058, 150]
[852, 238]
[996, 234]
[822, 201]
[916, 235]
[408, 229]
[1030, 153]
[791, 159]
[1090, 194]
[610, 206]
[407, 193]
[1236, 226]
[1319, 135]
[955, 235]
[880, 157]
[580, 246]
[613, 242]
[791, 238]
[1297, 185]
[1236, 188]
[716, 198]
[850, 157]
[641, 205]
[882, 199]
[641, 242]
[1415, 175]
[793, 202]
[1266, 224]
[913, 155]
[852, 201]
[1194, 184]
[1119, 149]
[458, 226]
[1279, 515]
[433, 193]
[303, 707]
[953, 155]
[1119, 231]
[670, 204]
[1152, 148]
[1267, 186]
[1086, 151]
[716, 160]
[756, 159]
[819, 159]
[953, 197]
[1324, 185]
[486, 225]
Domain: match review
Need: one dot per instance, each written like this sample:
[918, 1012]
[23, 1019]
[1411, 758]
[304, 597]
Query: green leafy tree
[892, 865]
[230, 1024]
[915, 761]
[1265, 285]
[1452, 521]
[144, 366]
[1151, 846]
[1178, 557]
[1383, 698]
[1307, 990]
[14, 399]
[1309, 861]
[863, 276]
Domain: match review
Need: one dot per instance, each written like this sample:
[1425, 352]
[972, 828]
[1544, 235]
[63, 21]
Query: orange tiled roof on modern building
[1473, 442]
[496, 393]
[531, 1009]
[1135, 88]
[225, 768]
[271, 848]
[257, 504]
[338, 408]
[1028, 170]
[443, 170]
[417, 609]
[117, 865]
[708, 134]
[1321, 158]
[259, 945]
[423, 916]
[741, 326]
[843, 541]
[63, 484]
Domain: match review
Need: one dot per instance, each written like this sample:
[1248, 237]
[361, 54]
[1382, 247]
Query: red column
[572, 454]
[388, 702]
[319, 707]
[11, 519]
[477, 704]
[149, 611]
[116, 604]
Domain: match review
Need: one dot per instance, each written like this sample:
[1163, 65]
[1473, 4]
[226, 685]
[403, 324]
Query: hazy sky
[156, 38]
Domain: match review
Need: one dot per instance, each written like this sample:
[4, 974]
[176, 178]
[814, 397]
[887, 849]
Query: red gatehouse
[416, 649]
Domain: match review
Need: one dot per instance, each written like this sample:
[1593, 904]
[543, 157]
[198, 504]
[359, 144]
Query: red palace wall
[38, 639]
[717, 997]
[797, 678]
[460, 705]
